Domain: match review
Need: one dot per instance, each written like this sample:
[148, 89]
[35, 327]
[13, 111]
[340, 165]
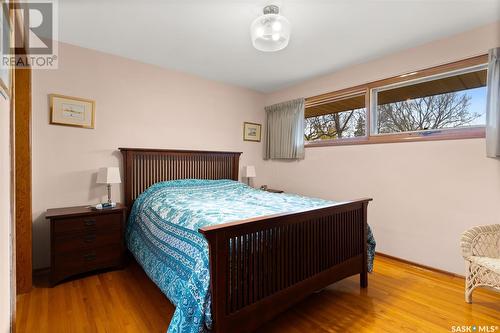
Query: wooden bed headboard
[143, 167]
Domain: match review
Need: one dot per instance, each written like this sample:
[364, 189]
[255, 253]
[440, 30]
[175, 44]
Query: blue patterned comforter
[163, 236]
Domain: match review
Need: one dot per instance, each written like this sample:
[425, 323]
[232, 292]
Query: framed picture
[72, 111]
[251, 131]
[5, 38]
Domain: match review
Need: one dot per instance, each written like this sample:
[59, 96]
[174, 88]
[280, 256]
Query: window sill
[449, 134]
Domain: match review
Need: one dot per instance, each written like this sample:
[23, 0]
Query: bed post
[363, 276]
[218, 263]
[127, 176]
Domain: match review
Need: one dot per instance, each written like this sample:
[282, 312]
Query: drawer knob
[89, 222]
[90, 256]
[89, 238]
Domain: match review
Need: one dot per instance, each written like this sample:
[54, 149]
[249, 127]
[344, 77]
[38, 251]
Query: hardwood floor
[400, 297]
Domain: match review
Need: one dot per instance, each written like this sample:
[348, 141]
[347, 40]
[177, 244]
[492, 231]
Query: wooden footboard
[261, 266]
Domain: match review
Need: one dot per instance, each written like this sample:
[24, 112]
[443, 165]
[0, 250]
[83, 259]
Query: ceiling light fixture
[270, 32]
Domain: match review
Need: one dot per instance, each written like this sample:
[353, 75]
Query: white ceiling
[211, 39]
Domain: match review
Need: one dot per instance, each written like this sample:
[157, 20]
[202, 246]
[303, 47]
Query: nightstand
[84, 239]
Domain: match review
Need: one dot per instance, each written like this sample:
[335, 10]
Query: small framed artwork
[251, 131]
[72, 111]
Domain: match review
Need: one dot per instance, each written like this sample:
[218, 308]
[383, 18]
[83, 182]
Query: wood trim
[449, 67]
[429, 268]
[22, 109]
[22, 171]
[443, 134]
[449, 134]
[21, 156]
[356, 90]
[368, 118]
[335, 96]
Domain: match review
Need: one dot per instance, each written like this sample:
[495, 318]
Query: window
[444, 102]
[450, 100]
[338, 119]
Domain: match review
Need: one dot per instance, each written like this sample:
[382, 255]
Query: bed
[228, 256]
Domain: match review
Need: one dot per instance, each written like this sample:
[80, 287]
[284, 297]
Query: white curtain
[285, 130]
[493, 105]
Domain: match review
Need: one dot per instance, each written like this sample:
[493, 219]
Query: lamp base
[109, 194]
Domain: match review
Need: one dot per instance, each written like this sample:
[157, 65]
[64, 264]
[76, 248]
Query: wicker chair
[481, 251]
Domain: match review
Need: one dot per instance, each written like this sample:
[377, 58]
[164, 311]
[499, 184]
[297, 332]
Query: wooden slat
[145, 167]
[308, 248]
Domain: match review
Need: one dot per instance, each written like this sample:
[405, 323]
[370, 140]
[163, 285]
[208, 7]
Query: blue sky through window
[478, 104]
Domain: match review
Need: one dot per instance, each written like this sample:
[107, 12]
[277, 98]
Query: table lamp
[108, 176]
[250, 173]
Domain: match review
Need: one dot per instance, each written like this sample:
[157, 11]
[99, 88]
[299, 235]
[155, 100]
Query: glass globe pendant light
[270, 32]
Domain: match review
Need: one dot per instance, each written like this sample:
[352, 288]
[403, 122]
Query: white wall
[5, 216]
[425, 193]
[137, 105]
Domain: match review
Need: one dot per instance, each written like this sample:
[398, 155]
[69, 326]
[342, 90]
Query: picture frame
[5, 40]
[72, 111]
[252, 132]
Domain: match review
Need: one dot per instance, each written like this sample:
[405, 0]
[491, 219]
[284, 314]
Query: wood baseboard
[429, 268]
[44, 271]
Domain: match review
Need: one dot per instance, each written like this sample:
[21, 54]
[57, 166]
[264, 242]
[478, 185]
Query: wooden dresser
[84, 240]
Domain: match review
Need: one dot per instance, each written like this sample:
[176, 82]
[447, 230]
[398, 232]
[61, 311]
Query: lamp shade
[109, 175]
[250, 171]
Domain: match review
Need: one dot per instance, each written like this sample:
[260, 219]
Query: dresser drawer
[87, 260]
[87, 240]
[88, 223]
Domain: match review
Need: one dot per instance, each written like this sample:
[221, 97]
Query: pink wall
[137, 105]
[425, 193]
